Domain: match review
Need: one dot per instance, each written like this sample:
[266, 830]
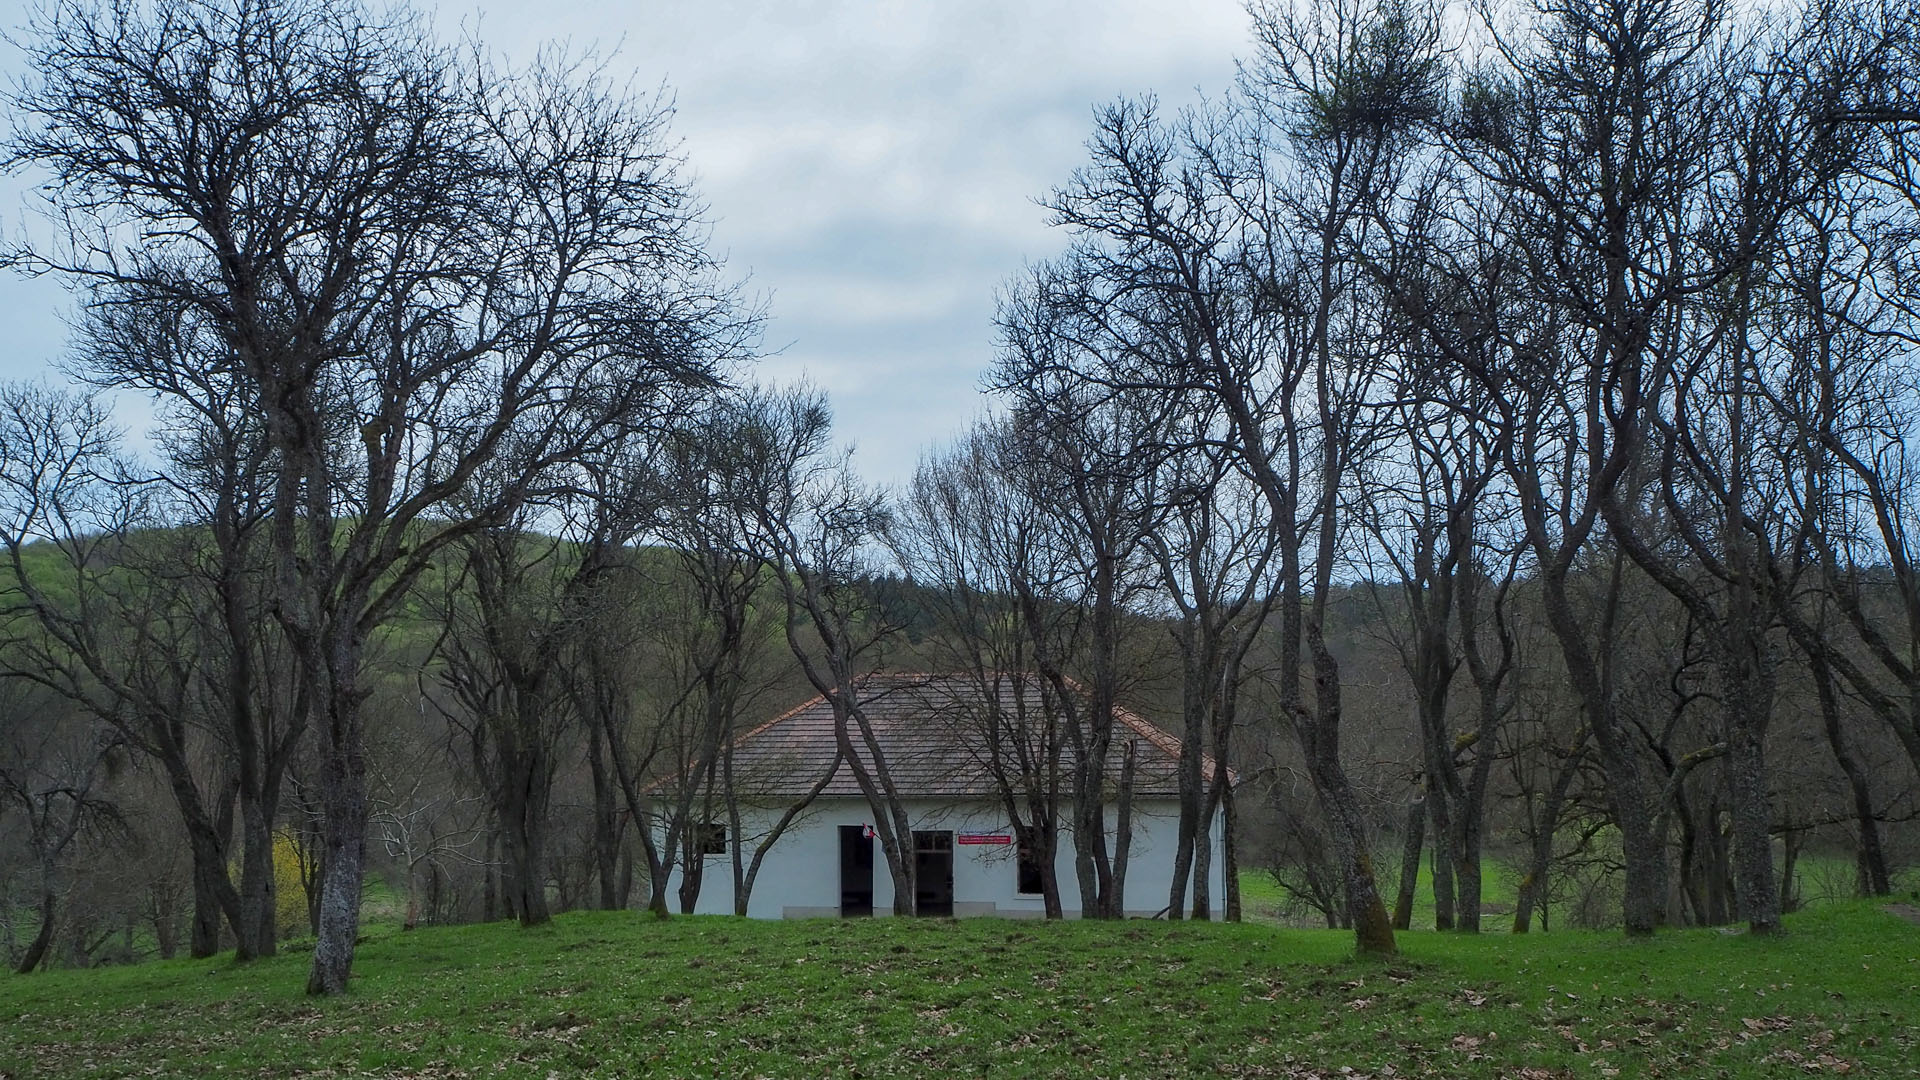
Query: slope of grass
[618, 994]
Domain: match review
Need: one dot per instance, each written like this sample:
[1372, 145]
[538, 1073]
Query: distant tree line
[1486, 443]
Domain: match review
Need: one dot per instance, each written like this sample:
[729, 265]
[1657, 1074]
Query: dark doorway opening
[1030, 881]
[856, 871]
[933, 873]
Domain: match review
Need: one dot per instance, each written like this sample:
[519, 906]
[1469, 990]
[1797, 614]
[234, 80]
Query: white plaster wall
[800, 875]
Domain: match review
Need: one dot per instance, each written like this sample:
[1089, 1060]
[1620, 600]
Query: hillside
[618, 994]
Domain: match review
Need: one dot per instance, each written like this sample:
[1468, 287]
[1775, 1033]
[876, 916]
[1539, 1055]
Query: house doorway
[933, 873]
[856, 871]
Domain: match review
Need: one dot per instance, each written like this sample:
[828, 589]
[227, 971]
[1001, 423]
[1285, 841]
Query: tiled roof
[935, 733]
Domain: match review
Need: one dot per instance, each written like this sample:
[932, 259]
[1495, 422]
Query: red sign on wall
[985, 838]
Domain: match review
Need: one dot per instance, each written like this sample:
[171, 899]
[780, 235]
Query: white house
[933, 733]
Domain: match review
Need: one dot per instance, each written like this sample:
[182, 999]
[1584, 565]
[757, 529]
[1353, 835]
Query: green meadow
[619, 994]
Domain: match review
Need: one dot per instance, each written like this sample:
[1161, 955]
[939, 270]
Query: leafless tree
[817, 530]
[115, 616]
[406, 822]
[972, 528]
[424, 266]
[52, 767]
[1216, 548]
[504, 624]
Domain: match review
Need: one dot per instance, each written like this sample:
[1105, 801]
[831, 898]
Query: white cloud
[873, 164]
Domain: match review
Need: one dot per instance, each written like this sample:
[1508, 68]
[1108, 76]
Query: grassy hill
[619, 994]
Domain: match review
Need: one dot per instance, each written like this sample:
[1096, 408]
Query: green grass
[620, 994]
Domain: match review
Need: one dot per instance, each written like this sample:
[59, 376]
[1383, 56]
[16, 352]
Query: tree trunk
[1116, 902]
[1715, 860]
[1443, 863]
[1471, 823]
[1643, 899]
[737, 848]
[1050, 874]
[1412, 840]
[1747, 691]
[209, 839]
[693, 867]
[1221, 794]
[606, 836]
[657, 872]
[1083, 873]
[526, 858]
[1691, 896]
[1789, 896]
[436, 892]
[1202, 866]
[626, 876]
[203, 934]
[1090, 833]
[1229, 850]
[410, 918]
[1533, 885]
[489, 875]
[745, 889]
[36, 953]
[256, 874]
[1372, 930]
[343, 796]
[1875, 880]
[1467, 875]
[1194, 693]
[166, 929]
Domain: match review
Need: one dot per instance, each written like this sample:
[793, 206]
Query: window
[712, 838]
[1029, 873]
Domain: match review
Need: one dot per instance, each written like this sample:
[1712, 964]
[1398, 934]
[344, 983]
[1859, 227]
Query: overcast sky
[870, 166]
